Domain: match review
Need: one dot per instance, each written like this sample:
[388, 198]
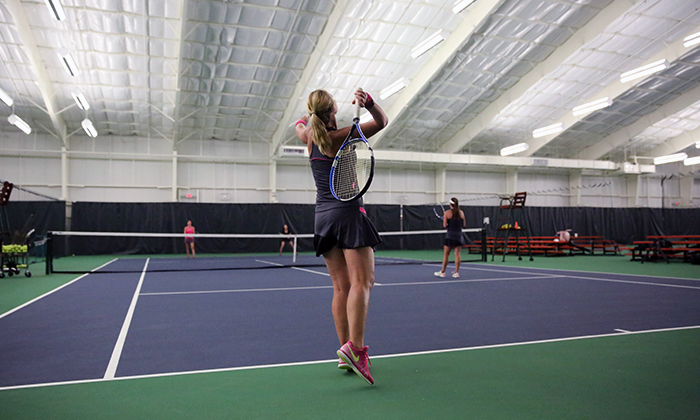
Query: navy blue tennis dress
[337, 223]
[454, 236]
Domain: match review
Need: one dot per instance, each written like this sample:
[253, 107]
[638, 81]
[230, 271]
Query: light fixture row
[677, 157]
[420, 49]
[59, 14]
[625, 77]
[14, 119]
[18, 122]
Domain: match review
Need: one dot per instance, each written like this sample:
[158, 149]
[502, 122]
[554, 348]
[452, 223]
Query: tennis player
[286, 240]
[343, 233]
[454, 221]
[189, 240]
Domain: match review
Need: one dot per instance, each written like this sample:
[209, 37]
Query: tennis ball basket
[13, 259]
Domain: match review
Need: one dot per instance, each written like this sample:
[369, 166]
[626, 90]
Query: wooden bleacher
[545, 245]
[666, 247]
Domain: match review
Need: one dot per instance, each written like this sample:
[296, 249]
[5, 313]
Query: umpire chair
[511, 218]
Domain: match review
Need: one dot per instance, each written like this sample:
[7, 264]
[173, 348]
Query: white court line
[335, 360]
[203, 292]
[544, 276]
[54, 290]
[603, 279]
[277, 289]
[622, 331]
[312, 271]
[472, 266]
[270, 263]
[294, 268]
[647, 283]
[117, 352]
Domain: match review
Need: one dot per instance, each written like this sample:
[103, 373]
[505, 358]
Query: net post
[294, 253]
[483, 245]
[49, 252]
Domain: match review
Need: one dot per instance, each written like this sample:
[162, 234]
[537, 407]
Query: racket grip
[357, 106]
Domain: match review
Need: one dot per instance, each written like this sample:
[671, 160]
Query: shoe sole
[348, 360]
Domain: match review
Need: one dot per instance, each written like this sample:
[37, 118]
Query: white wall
[131, 169]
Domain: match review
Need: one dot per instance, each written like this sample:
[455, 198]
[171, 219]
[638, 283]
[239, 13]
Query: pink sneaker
[439, 274]
[342, 365]
[357, 360]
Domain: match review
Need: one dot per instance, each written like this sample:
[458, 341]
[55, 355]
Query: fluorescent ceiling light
[81, 100]
[56, 9]
[366, 117]
[691, 40]
[592, 106]
[550, 129]
[516, 148]
[89, 128]
[461, 5]
[692, 161]
[654, 67]
[429, 43]
[69, 64]
[670, 158]
[393, 88]
[19, 123]
[6, 98]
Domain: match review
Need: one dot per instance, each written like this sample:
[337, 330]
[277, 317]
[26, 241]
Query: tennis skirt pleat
[344, 227]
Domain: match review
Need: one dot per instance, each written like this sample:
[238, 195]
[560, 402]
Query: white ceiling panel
[240, 70]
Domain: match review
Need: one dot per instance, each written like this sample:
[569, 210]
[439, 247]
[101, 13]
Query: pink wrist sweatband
[369, 103]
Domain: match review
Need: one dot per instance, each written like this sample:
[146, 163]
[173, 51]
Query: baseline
[314, 362]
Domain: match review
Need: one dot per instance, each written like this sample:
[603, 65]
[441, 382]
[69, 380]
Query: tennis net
[81, 252]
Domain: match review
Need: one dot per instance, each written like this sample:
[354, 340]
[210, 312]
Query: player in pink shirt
[189, 240]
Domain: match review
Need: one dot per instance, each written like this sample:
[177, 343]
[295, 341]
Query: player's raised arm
[379, 118]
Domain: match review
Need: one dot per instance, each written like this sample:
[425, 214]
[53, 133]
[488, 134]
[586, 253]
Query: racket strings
[353, 170]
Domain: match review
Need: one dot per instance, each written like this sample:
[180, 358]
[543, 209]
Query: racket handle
[357, 107]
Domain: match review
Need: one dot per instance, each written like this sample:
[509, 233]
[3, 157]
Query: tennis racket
[439, 210]
[353, 166]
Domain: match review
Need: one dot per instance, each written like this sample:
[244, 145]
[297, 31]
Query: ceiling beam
[584, 35]
[474, 17]
[178, 76]
[671, 53]
[48, 93]
[622, 136]
[300, 91]
[676, 144]
[490, 160]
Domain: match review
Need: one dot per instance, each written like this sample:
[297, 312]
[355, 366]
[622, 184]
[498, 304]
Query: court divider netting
[224, 251]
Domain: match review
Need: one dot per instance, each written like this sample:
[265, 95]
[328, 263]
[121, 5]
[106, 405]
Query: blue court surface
[135, 322]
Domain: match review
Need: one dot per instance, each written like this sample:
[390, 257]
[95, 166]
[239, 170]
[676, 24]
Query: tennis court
[544, 342]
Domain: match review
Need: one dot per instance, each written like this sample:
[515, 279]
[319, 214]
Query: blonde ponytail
[320, 106]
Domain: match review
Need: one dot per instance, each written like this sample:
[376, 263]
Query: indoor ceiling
[234, 70]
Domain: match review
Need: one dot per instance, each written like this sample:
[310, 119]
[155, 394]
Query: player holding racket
[454, 221]
[343, 233]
